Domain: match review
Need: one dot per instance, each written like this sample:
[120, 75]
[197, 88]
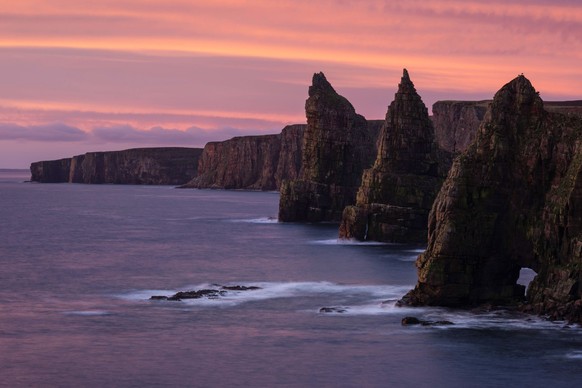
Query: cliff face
[512, 200]
[154, 166]
[337, 146]
[250, 162]
[50, 171]
[397, 193]
[456, 123]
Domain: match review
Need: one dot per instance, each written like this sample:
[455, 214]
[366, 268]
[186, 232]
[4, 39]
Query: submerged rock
[397, 193]
[338, 310]
[512, 200]
[204, 293]
[410, 321]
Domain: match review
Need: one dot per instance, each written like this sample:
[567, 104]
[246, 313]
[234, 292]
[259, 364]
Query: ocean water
[79, 263]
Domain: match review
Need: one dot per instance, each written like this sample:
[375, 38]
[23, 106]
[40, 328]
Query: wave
[575, 355]
[340, 241]
[262, 220]
[87, 313]
[275, 290]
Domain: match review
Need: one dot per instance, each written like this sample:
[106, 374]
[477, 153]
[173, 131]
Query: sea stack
[337, 147]
[397, 193]
[512, 200]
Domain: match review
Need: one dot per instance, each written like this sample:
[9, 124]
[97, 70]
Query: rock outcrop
[337, 147]
[512, 200]
[251, 162]
[397, 193]
[51, 171]
[152, 166]
[456, 123]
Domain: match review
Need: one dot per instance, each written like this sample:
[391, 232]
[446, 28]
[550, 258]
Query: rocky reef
[152, 166]
[251, 162]
[337, 147]
[397, 193]
[513, 200]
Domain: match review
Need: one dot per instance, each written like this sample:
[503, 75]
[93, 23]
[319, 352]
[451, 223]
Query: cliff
[250, 162]
[512, 200]
[154, 166]
[50, 171]
[337, 146]
[456, 123]
[397, 193]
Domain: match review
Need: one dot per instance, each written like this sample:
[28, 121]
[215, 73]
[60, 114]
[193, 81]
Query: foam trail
[338, 241]
[262, 220]
[88, 313]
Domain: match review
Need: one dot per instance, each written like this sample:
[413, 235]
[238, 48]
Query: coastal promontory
[512, 200]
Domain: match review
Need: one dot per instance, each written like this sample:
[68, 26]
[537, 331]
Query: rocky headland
[151, 166]
[337, 147]
[397, 192]
[512, 200]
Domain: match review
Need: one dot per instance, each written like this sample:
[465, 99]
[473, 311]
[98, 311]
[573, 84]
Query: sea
[79, 263]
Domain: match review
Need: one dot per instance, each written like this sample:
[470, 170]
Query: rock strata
[337, 146]
[153, 166]
[512, 200]
[397, 193]
[251, 162]
[456, 123]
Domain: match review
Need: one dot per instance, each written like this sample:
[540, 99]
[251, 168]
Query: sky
[79, 76]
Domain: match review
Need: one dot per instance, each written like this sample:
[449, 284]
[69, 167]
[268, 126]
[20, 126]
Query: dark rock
[409, 321]
[158, 297]
[397, 193]
[240, 288]
[337, 146]
[512, 200]
[153, 166]
[51, 171]
[338, 310]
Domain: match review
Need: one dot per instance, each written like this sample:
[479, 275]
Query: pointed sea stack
[397, 193]
[337, 147]
[512, 200]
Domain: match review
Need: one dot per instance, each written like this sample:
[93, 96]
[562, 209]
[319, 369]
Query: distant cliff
[456, 123]
[251, 162]
[152, 166]
[512, 200]
[397, 193]
[337, 147]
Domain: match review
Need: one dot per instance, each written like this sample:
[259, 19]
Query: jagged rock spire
[320, 84]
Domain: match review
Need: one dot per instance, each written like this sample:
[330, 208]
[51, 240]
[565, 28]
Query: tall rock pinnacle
[396, 194]
[509, 203]
[337, 146]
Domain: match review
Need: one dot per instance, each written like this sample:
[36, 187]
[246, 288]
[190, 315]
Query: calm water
[79, 262]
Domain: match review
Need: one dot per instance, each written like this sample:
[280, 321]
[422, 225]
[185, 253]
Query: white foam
[340, 241]
[274, 290]
[262, 220]
[575, 355]
[88, 313]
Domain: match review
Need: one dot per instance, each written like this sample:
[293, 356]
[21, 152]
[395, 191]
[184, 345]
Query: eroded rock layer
[153, 166]
[397, 193]
[251, 162]
[337, 147]
[512, 200]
